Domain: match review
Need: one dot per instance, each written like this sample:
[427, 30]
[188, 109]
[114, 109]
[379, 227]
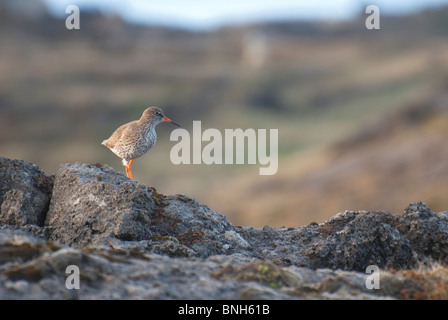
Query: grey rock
[94, 205]
[112, 274]
[24, 193]
[20, 246]
[131, 242]
[426, 231]
[110, 206]
[355, 240]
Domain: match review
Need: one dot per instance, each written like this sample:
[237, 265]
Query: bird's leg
[128, 170]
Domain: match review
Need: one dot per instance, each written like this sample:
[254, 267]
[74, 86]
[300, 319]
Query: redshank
[134, 139]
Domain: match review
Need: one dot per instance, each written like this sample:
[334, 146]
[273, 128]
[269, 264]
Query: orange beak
[170, 121]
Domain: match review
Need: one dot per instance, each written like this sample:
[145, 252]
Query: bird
[132, 140]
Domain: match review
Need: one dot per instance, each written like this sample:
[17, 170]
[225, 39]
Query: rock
[113, 274]
[90, 204]
[355, 240]
[129, 241]
[426, 231]
[24, 193]
[17, 246]
[94, 205]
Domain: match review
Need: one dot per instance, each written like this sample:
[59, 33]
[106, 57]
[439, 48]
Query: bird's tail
[104, 142]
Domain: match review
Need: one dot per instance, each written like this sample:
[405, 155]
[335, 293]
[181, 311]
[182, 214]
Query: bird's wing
[118, 134]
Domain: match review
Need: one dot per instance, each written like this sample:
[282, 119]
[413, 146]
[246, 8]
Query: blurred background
[362, 114]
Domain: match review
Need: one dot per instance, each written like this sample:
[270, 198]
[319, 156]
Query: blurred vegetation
[62, 92]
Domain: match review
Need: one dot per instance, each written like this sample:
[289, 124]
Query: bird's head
[155, 115]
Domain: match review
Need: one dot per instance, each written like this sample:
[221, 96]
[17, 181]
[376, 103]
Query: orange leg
[128, 170]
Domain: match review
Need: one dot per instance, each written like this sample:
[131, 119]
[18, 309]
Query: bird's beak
[170, 121]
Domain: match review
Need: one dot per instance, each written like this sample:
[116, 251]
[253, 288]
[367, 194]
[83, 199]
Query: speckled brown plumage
[134, 139]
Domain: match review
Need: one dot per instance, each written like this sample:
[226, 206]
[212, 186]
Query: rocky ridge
[129, 241]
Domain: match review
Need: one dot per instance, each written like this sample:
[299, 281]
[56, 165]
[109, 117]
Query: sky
[209, 14]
